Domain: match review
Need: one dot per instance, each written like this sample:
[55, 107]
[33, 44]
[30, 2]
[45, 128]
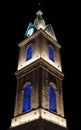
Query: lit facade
[39, 98]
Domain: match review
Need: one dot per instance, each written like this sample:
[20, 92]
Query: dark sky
[65, 19]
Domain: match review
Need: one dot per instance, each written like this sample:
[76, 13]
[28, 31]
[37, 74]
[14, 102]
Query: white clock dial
[30, 32]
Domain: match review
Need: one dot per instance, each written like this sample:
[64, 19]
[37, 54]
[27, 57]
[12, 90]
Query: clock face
[30, 31]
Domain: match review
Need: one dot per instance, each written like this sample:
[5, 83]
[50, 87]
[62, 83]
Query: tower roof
[39, 22]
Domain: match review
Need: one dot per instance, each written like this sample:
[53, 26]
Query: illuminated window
[27, 98]
[29, 52]
[52, 98]
[51, 53]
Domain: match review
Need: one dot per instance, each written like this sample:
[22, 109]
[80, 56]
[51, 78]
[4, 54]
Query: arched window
[29, 52]
[52, 98]
[51, 52]
[27, 98]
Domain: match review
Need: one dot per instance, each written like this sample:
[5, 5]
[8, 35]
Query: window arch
[27, 98]
[52, 98]
[29, 52]
[51, 53]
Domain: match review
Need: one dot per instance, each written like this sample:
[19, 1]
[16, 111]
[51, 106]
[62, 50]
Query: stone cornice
[39, 63]
[36, 34]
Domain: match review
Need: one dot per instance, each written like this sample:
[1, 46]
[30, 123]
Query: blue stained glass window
[29, 52]
[51, 53]
[52, 98]
[27, 98]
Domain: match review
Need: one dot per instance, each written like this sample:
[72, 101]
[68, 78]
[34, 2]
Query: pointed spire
[39, 21]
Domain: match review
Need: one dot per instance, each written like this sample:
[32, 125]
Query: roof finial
[39, 13]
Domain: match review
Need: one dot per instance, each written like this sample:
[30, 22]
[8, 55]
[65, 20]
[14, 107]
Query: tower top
[39, 22]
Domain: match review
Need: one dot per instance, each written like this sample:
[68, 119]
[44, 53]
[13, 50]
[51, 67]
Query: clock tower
[39, 96]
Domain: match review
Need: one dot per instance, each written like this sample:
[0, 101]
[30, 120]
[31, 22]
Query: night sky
[64, 17]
